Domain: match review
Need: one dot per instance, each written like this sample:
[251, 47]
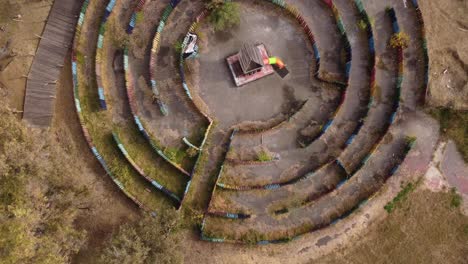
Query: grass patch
[264, 156]
[427, 230]
[454, 125]
[401, 197]
[152, 164]
[6, 11]
[175, 154]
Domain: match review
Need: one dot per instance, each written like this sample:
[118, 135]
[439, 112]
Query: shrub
[178, 46]
[38, 206]
[150, 240]
[224, 15]
[399, 40]
[362, 24]
[456, 199]
[264, 156]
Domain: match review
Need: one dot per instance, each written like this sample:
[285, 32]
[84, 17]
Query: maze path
[321, 190]
[336, 132]
[383, 105]
[319, 214]
[242, 199]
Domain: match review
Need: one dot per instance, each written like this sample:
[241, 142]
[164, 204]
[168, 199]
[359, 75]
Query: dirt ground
[22, 34]
[444, 232]
[447, 31]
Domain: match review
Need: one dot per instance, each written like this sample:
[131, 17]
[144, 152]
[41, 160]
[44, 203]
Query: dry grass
[6, 11]
[426, 228]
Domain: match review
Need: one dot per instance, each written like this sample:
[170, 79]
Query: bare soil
[22, 34]
[447, 33]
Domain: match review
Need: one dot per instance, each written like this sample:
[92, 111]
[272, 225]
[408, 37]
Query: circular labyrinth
[272, 160]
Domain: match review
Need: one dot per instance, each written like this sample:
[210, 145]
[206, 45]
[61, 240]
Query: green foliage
[38, 206]
[401, 196]
[224, 15]
[264, 156]
[456, 199]
[362, 24]
[399, 40]
[453, 124]
[80, 58]
[140, 16]
[174, 154]
[150, 240]
[178, 46]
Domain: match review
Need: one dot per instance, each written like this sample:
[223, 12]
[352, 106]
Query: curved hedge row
[189, 95]
[225, 214]
[99, 51]
[133, 18]
[396, 30]
[348, 54]
[424, 47]
[133, 108]
[154, 51]
[141, 172]
[78, 109]
[371, 42]
[393, 171]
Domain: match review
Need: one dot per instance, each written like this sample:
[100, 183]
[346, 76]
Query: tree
[224, 14]
[151, 240]
[37, 206]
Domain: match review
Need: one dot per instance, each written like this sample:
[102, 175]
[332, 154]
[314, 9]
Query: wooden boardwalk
[39, 102]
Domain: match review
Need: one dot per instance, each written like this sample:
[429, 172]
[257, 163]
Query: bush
[150, 240]
[178, 47]
[456, 199]
[224, 15]
[362, 24]
[399, 40]
[264, 156]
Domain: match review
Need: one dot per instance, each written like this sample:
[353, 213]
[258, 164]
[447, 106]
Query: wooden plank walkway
[39, 102]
